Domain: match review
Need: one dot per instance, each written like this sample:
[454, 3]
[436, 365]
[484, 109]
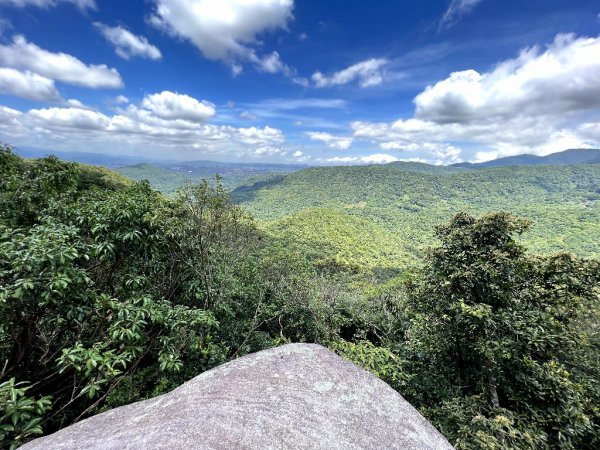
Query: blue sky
[317, 82]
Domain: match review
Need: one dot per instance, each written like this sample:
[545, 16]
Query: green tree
[21, 415]
[111, 293]
[495, 339]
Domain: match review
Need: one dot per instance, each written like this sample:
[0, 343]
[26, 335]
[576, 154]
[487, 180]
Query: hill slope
[563, 201]
[333, 239]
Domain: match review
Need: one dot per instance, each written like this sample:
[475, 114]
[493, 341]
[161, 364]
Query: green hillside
[334, 239]
[408, 200]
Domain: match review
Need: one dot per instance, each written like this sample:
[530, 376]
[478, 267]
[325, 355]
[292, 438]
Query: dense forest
[112, 292]
[407, 200]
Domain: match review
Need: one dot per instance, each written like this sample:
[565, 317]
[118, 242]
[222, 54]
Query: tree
[496, 339]
[112, 293]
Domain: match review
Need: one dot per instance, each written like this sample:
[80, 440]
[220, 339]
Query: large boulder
[298, 396]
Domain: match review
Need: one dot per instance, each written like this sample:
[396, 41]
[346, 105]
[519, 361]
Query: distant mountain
[161, 179]
[572, 156]
[94, 159]
[168, 177]
[112, 161]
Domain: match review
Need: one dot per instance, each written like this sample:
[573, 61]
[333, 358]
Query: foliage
[380, 361]
[501, 329]
[21, 414]
[337, 241]
[111, 292]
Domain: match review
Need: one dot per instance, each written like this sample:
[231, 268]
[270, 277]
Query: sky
[301, 81]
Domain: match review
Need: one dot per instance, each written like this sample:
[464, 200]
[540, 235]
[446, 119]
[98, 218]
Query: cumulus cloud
[272, 64]
[127, 44]
[259, 136]
[378, 158]
[27, 85]
[367, 73]
[563, 78]
[171, 105]
[456, 10]
[81, 4]
[75, 118]
[338, 142]
[226, 30]
[121, 99]
[522, 105]
[24, 55]
[160, 124]
[270, 151]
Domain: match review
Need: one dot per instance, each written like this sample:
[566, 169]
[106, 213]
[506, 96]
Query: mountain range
[571, 156]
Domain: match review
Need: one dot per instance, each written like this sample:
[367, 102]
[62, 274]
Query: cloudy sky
[311, 81]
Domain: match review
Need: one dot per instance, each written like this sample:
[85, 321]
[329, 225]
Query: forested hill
[408, 200]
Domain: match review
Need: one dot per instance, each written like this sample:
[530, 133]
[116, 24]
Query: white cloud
[286, 104]
[270, 151]
[562, 79]
[152, 127]
[523, 105]
[247, 115]
[258, 136]
[339, 142]
[121, 99]
[27, 85]
[128, 44]
[172, 106]
[24, 55]
[456, 10]
[301, 81]
[378, 158]
[226, 30]
[81, 4]
[367, 73]
[557, 141]
[74, 103]
[297, 154]
[303, 110]
[76, 118]
[272, 64]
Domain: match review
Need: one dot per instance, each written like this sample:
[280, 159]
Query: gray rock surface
[298, 396]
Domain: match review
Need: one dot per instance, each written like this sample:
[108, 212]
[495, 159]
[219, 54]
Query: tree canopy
[111, 292]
